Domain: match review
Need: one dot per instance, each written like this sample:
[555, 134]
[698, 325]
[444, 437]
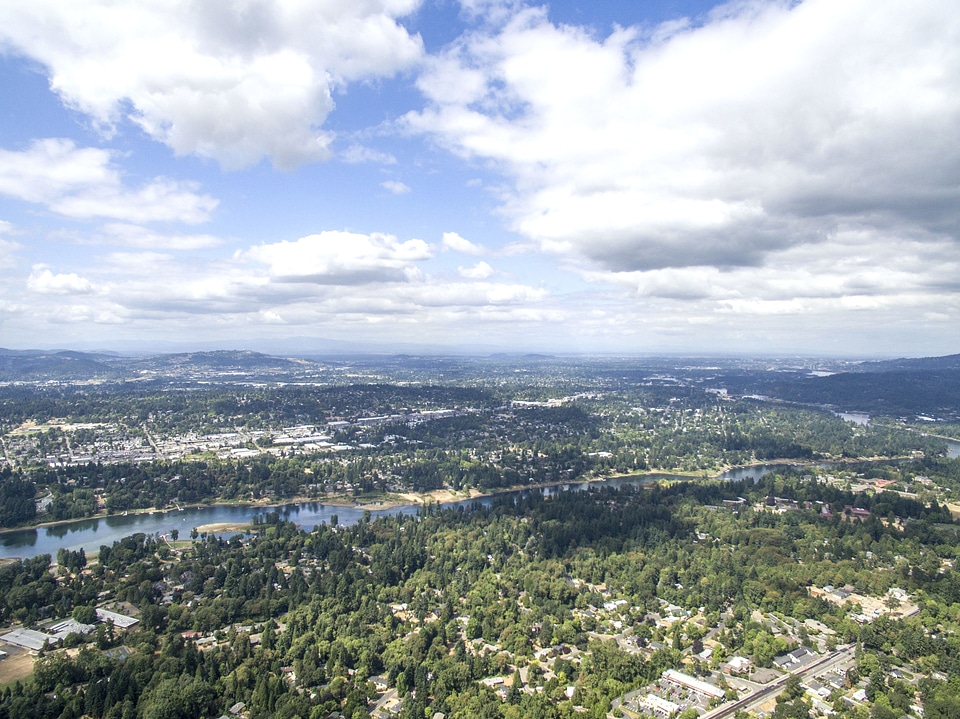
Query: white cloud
[142, 237]
[395, 186]
[233, 81]
[818, 276]
[9, 309]
[271, 317]
[83, 183]
[772, 125]
[8, 248]
[490, 11]
[356, 154]
[479, 271]
[43, 281]
[137, 263]
[108, 318]
[453, 241]
[373, 288]
[341, 282]
[463, 295]
[333, 257]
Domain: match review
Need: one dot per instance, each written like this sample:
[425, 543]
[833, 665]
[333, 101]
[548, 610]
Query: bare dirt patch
[225, 527]
[440, 496]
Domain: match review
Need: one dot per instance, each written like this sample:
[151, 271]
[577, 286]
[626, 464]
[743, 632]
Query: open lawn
[18, 665]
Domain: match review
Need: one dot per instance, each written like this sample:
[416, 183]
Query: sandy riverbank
[266, 504]
[225, 528]
[442, 496]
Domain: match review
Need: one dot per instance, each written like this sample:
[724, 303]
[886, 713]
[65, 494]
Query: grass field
[18, 665]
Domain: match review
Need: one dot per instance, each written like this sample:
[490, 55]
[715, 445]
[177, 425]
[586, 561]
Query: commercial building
[689, 682]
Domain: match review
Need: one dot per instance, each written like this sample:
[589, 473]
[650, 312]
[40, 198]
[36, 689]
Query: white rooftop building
[29, 639]
[685, 680]
[120, 621]
[660, 707]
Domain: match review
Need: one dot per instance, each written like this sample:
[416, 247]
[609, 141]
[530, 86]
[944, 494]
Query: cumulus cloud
[334, 257]
[83, 183]
[43, 281]
[356, 154]
[895, 267]
[233, 81]
[479, 271]
[144, 238]
[453, 241]
[395, 186]
[769, 126]
[331, 279]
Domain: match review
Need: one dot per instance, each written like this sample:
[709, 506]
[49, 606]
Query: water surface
[90, 534]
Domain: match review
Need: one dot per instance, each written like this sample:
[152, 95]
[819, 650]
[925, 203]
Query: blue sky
[752, 177]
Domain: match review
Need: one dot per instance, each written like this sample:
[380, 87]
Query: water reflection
[22, 538]
[953, 449]
[854, 417]
[81, 525]
[754, 472]
[91, 533]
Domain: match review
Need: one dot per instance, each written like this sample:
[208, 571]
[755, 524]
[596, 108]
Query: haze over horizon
[679, 176]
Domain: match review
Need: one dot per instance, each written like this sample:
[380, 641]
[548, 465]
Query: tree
[85, 614]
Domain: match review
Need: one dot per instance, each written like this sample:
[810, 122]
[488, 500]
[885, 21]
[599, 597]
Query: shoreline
[129, 512]
[443, 496]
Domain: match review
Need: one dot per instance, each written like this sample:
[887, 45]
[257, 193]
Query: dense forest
[305, 623]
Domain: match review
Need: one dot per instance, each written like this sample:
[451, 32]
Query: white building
[685, 680]
[660, 707]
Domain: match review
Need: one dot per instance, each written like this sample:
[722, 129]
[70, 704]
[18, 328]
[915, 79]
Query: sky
[673, 176]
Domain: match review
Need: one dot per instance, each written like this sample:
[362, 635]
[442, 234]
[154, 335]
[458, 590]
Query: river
[91, 533]
[953, 448]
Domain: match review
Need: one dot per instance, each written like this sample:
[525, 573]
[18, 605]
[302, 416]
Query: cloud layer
[768, 126]
[84, 183]
[774, 173]
[233, 81]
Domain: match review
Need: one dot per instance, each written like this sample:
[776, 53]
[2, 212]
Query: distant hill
[217, 361]
[893, 393]
[927, 386]
[69, 366]
[39, 366]
[902, 387]
[948, 362]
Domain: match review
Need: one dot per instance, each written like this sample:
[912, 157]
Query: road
[3, 445]
[66, 439]
[153, 444]
[388, 696]
[774, 688]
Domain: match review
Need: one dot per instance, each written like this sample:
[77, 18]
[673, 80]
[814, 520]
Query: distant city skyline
[758, 177]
